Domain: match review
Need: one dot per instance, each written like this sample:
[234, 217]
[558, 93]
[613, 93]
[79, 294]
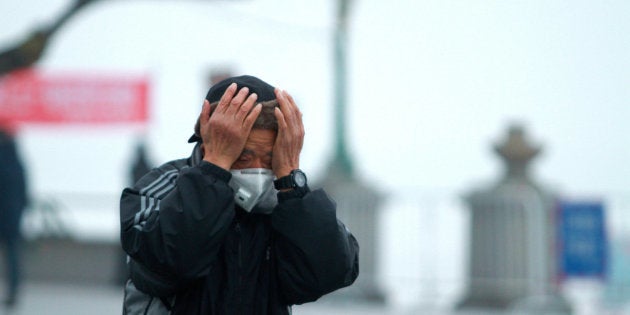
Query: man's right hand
[225, 132]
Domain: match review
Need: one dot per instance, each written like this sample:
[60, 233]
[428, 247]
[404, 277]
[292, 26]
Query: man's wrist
[283, 172]
[222, 163]
[294, 193]
[208, 168]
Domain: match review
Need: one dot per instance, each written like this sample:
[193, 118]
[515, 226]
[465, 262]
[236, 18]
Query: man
[211, 235]
[13, 201]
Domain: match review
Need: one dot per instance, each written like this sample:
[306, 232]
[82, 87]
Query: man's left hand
[290, 138]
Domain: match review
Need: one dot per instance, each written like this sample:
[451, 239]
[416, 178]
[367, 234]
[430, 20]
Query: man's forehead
[261, 136]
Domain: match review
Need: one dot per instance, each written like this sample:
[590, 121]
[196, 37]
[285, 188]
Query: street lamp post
[341, 159]
[358, 203]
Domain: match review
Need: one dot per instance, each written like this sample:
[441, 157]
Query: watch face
[300, 179]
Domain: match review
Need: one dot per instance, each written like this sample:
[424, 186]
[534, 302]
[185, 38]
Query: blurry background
[431, 87]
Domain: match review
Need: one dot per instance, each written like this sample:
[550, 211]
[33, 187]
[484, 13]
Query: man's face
[257, 151]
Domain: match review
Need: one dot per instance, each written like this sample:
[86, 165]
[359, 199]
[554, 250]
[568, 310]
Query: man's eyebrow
[247, 152]
[251, 152]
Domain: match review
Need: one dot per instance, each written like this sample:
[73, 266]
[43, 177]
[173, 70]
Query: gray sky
[432, 84]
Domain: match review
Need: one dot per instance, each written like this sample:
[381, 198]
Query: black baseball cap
[264, 90]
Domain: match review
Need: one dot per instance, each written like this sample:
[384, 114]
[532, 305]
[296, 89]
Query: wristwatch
[295, 179]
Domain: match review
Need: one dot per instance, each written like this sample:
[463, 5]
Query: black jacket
[192, 248]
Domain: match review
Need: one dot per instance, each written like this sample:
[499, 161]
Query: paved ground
[42, 298]
[65, 276]
[54, 299]
[57, 298]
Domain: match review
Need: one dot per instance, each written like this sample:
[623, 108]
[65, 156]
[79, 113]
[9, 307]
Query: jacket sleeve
[173, 222]
[316, 254]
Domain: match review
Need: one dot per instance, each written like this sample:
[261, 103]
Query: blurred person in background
[13, 200]
[234, 228]
[139, 167]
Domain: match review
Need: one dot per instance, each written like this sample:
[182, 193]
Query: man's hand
[288, 145]
[225, 132]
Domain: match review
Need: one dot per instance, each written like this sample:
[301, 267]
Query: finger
[226, 98]
[282, 123]
[247, 105]
[205, 112]
[293, 104]
[284, 103]
[292, 114]
[248, 123]
[281, 98]
[237, 101]
[294, 109]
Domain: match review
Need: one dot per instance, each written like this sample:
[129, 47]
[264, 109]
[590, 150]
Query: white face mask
[253, 189]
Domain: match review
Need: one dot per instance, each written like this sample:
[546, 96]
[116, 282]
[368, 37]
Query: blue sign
[582, 236]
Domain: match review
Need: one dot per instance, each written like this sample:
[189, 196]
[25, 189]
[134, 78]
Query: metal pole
[341, 159]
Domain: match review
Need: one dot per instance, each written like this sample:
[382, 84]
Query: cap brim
[194, 138]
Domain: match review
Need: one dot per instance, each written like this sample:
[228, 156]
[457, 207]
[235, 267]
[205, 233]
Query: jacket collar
[195, 156]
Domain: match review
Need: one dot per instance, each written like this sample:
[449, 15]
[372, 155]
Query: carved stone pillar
[512, 237]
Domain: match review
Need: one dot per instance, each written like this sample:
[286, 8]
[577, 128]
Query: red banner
[33, 97]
